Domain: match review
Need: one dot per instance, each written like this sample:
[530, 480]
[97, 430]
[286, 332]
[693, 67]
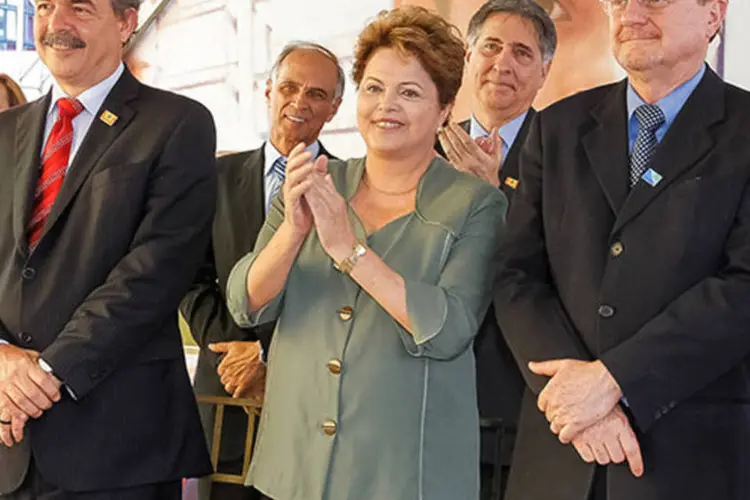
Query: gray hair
[302, 45]
[120, 6]
[527, 9]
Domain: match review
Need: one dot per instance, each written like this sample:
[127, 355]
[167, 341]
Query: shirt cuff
[47, 368]
[3, 341]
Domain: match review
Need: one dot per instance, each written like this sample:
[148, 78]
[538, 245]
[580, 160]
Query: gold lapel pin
[511, 182]
[108, 117]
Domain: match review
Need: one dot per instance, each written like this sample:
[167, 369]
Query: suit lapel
[29, 132]
[606, 146]
[251, 186]
[686, 142]
[99, 138]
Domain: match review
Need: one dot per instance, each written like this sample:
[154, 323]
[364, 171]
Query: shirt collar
[507, 132]
[672, 103]
[272, 154]
[92, 98]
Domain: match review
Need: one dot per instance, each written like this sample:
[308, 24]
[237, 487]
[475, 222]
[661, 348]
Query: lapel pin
[108, 117]
[511, 182]
[652, 177]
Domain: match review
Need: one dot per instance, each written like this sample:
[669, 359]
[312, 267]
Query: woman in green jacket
[378, 271]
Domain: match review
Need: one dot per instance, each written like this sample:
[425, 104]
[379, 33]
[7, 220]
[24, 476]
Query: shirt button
[616, 249]
[334, 366]
[346, 313]
[28, 273]
[329, 427]
[606, 311]
[26, 338]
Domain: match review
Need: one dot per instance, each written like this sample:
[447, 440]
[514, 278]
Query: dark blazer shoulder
[583, 103]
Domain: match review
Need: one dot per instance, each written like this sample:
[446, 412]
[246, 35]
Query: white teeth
[387, 124]
[295, 119]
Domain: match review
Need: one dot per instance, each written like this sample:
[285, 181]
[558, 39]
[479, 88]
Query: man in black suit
[626, 275]
[106, 207]
[510, 48]
[303, 92]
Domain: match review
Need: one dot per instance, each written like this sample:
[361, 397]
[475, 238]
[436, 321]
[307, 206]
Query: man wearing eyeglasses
[625, 278]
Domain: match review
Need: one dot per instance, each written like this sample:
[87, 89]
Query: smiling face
[398, 108]
[664, 38]
[81, 41]
[505, 66]
[301, 99]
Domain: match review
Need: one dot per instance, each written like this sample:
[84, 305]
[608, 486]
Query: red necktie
[54, 164]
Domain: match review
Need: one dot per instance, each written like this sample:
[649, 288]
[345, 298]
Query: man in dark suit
[109, 192]
[303, 93]
[626, 275]
[510, 48]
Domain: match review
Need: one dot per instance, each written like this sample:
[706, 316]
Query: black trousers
[35, 487]
[599, 486]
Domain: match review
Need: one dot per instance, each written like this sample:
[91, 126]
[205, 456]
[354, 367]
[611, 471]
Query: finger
[568, 432]
[554, 427]
[454, 143]
[600, 453]
[450, 153]
[47, 383]
[220, 347]
[614, 449]
[35, 394]
[296, 192]
[632, 449]
[23, 402]
[321, 164]
[584, 451]
[293, 158]
[5, 435]
[17, 427]
[546, 368]
[303, 172]
[496, 143]
[542, 402]
[458, 138]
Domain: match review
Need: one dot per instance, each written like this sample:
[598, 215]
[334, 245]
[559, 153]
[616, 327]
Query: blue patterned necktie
[275, 180]
[650, 117]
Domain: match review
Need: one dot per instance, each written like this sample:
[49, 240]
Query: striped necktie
[650, 117]
[275, 179]
[55, 159]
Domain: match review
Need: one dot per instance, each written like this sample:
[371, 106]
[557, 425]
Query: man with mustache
[510, 48]
[303, 93]
[109, 193]
[625, 274]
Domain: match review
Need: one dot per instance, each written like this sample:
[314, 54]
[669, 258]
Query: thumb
[547, 368]
[219, 347]
[321, 164]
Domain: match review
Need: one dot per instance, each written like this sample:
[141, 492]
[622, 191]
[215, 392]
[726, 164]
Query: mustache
[64, 39]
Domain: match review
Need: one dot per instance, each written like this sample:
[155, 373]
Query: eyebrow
[85, 2]
[294, 82]
[512, 44]
[409, 82]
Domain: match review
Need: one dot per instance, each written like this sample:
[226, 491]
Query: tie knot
[69, 108]
[650, 116]
[279, 167]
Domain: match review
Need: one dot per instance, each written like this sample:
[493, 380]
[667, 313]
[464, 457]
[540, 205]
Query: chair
[252, 407]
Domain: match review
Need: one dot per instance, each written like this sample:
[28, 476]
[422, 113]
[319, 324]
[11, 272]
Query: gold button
[334, 366]
[329, 427]
[345, 313]
[616, 249]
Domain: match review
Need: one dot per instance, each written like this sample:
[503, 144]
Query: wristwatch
[347, 265]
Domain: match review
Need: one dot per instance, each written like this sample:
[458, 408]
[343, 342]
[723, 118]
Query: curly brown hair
[15, 94]
[415, 31]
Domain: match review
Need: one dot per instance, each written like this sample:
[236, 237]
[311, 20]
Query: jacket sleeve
[117, 319]
[445, 317]
[528, 309]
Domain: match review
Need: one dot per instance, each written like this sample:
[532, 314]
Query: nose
[59, 19]
[632, 13]
[503, 60]
[300, 99]
[388, 99]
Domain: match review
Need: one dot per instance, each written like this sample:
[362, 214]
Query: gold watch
[347, 265]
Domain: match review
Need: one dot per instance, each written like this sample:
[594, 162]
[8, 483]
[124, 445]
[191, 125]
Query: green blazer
[356, 407]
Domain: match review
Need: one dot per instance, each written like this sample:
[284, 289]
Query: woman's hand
[299, 178]
[330, 215]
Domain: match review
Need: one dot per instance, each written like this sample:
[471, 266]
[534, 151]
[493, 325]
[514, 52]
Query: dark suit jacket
[99, 295]
[499, 382]
[675, 332]
[240, 213]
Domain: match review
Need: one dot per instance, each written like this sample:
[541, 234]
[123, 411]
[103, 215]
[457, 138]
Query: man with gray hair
[106, 210]
[510, 48]
[303, 92]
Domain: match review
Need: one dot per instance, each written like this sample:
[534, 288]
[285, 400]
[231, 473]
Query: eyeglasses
[618, 5]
